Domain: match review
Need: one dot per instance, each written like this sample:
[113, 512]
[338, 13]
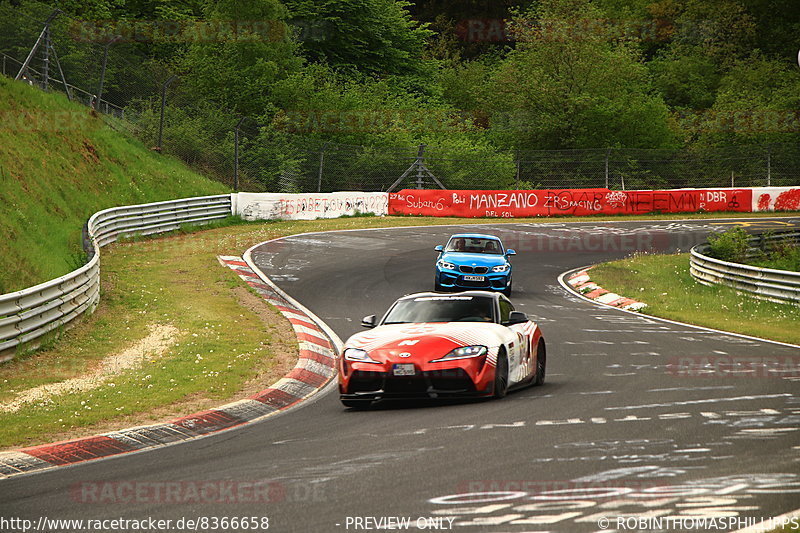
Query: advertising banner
[575, 202]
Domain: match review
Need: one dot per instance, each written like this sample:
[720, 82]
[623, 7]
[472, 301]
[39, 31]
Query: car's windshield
[442, 309]
[476, 245]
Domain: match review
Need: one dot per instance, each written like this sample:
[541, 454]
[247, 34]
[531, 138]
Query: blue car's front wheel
[436, 285]
[507, 290]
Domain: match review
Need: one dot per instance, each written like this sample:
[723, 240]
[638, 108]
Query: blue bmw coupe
[473, 261]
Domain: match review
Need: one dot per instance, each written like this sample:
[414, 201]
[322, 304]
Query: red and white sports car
[433, 345]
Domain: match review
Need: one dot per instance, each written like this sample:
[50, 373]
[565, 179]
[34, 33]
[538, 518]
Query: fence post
[769, 166]
[608, 154]
[321, 166]
[236, 155]
[420, 164]
[103, 69]
[46, 60]
[163, 103]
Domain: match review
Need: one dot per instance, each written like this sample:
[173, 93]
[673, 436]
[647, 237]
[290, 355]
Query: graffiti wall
[575, 202]
[270, 206]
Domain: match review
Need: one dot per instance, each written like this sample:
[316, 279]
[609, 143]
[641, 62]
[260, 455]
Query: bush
[731, 246]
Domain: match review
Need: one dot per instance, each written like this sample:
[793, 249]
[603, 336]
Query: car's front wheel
[501, 375]
[507, 290]
[541, 363]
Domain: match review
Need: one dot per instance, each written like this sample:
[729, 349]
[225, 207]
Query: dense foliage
[475, 79]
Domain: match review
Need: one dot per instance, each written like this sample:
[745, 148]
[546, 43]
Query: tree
[757, 103]
[236, 65]
[376, 36]
[569, 84]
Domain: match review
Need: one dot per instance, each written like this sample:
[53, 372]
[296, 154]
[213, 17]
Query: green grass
[663, 282]
[59, 164]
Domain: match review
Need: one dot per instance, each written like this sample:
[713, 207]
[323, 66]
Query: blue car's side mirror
[439, 248]
[511, 251]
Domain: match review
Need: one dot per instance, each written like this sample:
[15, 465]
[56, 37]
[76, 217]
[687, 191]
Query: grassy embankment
[59, 164]
[663, 282]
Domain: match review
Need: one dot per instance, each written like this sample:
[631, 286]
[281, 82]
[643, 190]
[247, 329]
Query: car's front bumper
[451, 280]
[453, 379]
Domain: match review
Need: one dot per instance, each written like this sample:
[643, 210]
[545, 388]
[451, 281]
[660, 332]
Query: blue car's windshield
[474, 245]
[442, 309]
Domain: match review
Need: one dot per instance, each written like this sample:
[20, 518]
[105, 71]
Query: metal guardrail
[28, 314]
[781, 286]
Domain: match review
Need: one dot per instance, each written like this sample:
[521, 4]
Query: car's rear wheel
[501, 375]
[357, 404]
[541, 363]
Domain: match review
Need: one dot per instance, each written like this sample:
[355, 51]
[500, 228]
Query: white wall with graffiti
[271, 206]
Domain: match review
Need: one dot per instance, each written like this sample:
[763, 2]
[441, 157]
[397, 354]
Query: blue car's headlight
[501, 268]
[445, 265]
[465, 352]
[358, 355]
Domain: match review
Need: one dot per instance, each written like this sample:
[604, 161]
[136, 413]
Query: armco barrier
[30, 313]
[765, 283]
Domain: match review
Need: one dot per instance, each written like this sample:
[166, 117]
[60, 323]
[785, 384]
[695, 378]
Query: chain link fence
[115, 75]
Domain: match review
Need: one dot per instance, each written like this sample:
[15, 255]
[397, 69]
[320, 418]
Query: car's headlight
[359, 355]
[501, 268]
[445, 265]
[465, 352]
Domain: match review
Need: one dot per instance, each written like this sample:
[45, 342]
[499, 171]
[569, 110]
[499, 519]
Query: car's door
[519, 357]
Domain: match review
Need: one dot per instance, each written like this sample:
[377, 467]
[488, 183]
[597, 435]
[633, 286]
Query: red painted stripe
[299, 322]
[237, 263]
[276, 398]
[596, 293]
[318, 357]
[625, 301]
[76, 451]
[247, 273]
[311, 338]
[308, 377]
[259, 285]
[618, 302]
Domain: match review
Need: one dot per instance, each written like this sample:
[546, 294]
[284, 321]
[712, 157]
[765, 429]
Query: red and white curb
[581, 282]
[315, 368]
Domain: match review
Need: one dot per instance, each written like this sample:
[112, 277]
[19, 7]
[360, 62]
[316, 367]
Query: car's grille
[362, 381]
[473, 270]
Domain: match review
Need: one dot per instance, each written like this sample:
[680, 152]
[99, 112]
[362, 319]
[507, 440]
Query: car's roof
[483, 294]
[475, 236]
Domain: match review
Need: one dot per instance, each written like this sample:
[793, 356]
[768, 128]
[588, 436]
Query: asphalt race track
[638, 417]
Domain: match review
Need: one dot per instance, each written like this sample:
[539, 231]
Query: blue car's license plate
[474, 278]
[404, 369]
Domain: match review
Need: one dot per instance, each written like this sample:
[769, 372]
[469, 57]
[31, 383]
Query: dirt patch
[155, 344]
[90, 152]
[281, 344]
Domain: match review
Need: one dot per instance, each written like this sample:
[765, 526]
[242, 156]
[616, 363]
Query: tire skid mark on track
[315, 368]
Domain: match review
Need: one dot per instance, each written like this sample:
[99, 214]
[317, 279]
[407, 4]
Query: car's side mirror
[516, 317]
[369, 321]
[511, 251]
[439, 248]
